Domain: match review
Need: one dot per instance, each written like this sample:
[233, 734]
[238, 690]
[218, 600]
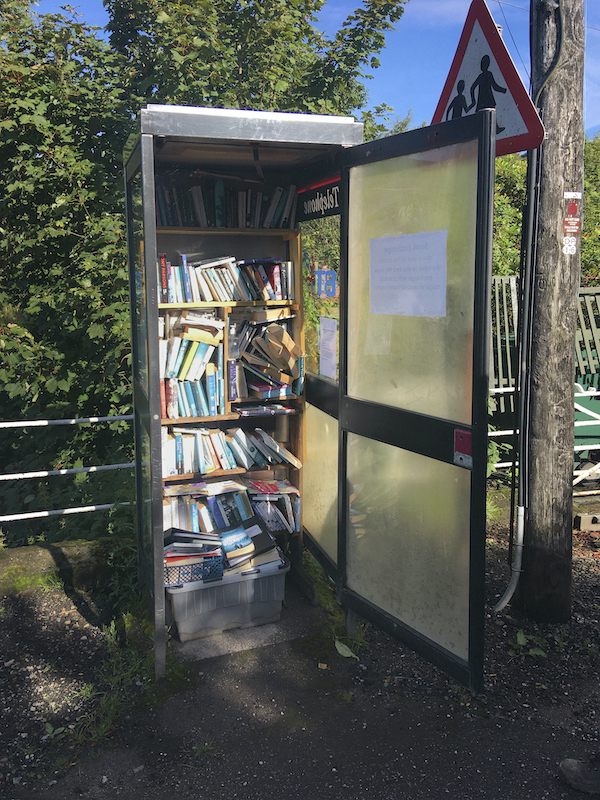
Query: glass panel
[136, 254]
[408, 539]
[410, 287]
[321, 289]
[320, 480]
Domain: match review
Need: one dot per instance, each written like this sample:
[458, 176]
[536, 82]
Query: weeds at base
[334, 626]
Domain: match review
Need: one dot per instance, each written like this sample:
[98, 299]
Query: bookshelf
[217, 187]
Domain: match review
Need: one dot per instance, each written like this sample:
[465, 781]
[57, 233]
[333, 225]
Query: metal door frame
[428, 436]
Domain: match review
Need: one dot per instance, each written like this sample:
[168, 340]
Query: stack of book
[205, 507]
[258, 449]
[188, 451]
[268, 278]
[268, 363]
[191, 365]
[277, 503]
[224, 280]
[248, 546]
[191, 557]
[206, 201]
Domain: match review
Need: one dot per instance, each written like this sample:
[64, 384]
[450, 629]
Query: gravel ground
[297, 719]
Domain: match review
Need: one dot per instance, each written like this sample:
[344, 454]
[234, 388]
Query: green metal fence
[504, 372]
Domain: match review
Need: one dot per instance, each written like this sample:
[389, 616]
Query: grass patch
[19, 578]
[493, 512]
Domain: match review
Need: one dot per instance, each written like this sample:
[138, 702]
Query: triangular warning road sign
[483, 75]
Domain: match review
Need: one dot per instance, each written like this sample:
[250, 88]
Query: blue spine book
[183, 347]
[232, 379]
[228, 510]
[190, 398]
[298, 384]
[221, 378]
[216, 512]
[229, 454]
[279, 210]
[200, 398]
[211, 388]
[184, 407]
[243, 511]
[195, 518]
[187, 287]
[181, 409]
[179, 453]
[177, 292]
[199, 453]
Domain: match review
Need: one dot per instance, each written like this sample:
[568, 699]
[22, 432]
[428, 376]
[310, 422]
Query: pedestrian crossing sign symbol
[483, 75]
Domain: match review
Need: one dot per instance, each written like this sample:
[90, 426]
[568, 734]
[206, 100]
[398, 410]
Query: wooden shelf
[231, 304]
[196, 476]
[255, 473]
[196, 420]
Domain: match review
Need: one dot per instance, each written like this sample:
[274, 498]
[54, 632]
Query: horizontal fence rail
[38, 423]
[19, 476]
[57, 512]
[48, 473]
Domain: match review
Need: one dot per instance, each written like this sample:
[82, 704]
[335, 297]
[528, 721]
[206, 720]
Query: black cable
[556, 6]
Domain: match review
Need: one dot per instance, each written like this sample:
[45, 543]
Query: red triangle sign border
[532, 138]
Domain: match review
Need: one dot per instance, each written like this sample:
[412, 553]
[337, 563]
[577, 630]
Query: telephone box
[392, 427]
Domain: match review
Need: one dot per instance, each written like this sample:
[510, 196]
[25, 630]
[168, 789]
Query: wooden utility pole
[557, 56]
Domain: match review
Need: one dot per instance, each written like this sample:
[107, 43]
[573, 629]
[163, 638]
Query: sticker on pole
[483, 75]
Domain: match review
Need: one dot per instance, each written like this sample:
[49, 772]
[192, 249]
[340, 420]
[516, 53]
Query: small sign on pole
[571, 222]
[483, 75]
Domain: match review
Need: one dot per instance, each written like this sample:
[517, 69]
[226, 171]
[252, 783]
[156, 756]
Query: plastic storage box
[242, 600]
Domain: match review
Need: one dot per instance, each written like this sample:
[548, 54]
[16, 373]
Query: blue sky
[419, 52]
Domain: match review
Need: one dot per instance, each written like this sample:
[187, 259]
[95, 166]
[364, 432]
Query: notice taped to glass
[408, 274]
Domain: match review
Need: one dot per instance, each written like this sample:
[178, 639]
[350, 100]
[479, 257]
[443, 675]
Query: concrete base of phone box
[242, 600]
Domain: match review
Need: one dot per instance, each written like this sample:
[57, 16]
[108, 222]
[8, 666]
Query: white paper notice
[328, 348]
[408, 274]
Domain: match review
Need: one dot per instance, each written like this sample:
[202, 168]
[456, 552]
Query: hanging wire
[501, 3]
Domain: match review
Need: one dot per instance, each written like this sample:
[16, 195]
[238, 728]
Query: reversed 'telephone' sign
[319, 200]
